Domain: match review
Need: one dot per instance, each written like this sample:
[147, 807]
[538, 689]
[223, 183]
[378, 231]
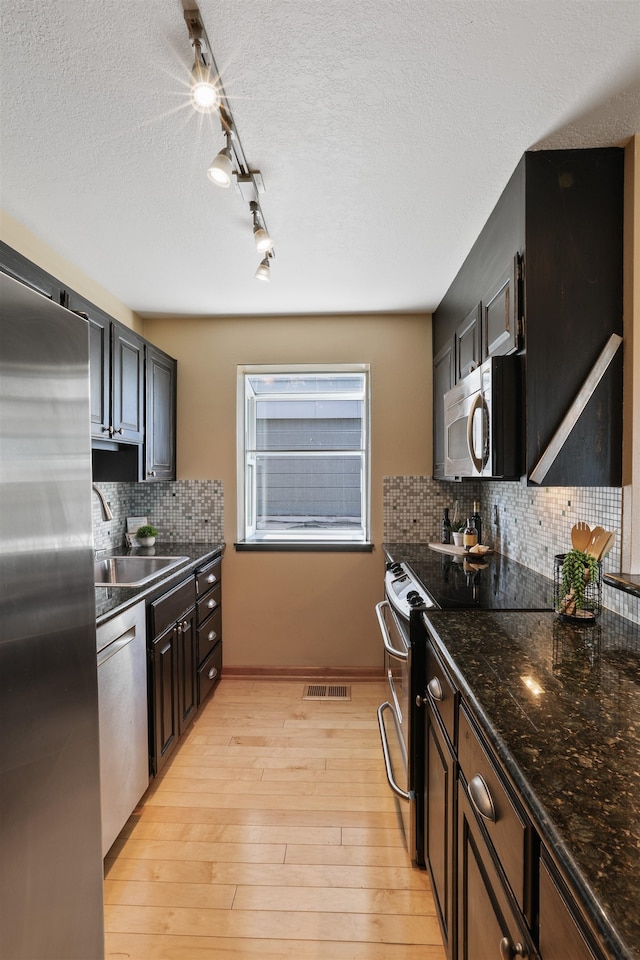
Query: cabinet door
[160, 415]
[99, 368]
[468, 343]
[443, 373]
[164, 722]
[560, 934]
[187, 669]
[127, 384]
[440, 787]
[500, 315]
[489, 923]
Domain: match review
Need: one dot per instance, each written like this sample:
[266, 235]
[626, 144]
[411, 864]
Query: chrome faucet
[106, 510]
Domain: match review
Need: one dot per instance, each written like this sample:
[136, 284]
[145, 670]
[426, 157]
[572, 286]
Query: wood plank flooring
[272, 834]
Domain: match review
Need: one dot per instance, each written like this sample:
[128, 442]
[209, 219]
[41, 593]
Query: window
[303, 454]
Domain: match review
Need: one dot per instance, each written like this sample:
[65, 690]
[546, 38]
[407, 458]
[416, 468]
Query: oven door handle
[386, 639]
[385, 752]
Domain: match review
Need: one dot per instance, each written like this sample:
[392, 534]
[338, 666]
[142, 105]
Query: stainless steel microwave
[482, 428]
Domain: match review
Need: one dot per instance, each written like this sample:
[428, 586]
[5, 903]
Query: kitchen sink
[132, 571]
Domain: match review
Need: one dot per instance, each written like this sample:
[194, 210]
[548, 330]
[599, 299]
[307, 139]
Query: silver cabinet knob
[213, 673]
[435, 689]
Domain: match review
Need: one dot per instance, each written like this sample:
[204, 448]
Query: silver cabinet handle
[151, 473]
[211, 578]
[211, 636]
[509, 951]
[481, 799]
[213, 673]
[212, 603]
[385, 752]
[386, 639]
[120, 430]
[435, 689]
[185, 626]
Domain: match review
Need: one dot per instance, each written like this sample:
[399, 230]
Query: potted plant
[577, 585]
[457, 531]
[146, 535]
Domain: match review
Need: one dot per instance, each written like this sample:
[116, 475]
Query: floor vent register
[326, 691]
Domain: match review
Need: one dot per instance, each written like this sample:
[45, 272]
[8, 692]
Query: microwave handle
[478, 401]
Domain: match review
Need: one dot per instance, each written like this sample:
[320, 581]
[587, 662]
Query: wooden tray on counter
[458, 551]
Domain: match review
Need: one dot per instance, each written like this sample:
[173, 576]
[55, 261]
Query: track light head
[204, 92]
[221, 169]
[264, 271]
[261, 235]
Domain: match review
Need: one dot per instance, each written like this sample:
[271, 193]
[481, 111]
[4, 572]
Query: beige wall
[300, 609]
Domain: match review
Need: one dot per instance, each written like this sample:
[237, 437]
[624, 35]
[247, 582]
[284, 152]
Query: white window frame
[246, 467]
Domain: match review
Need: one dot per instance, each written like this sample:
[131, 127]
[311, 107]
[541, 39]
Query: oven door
[394, 716]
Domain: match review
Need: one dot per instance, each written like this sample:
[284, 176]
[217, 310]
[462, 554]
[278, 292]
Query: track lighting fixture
[261, 235]
[221, 168]
[207, 96]
[264, 270]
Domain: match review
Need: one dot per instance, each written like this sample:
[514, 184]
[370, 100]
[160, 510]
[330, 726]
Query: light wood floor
[271, 835]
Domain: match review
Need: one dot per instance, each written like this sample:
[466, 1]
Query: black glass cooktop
[492, 582]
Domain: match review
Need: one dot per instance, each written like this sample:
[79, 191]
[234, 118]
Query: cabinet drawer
[208, 576]
[561, 935]
[209, 672]
[209, 603]
[209, 633]
[496, 809]
[170, 607]
[441, 693]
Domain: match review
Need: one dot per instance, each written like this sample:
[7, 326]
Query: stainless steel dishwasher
[123, 716]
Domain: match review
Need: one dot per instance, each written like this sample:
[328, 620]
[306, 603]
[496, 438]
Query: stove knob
[396, 568]
[414, 598]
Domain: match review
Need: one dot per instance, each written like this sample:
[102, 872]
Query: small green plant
[578, 569]
[146, 531]
[459, 526]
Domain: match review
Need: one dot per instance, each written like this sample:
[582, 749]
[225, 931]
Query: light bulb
[204, 93]
[263, 272]
[221, 169]
[262, 239]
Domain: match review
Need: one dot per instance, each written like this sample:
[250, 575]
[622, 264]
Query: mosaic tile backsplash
[529, 524]
[184, 510]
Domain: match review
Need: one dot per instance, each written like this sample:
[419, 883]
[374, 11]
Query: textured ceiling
[384, 131]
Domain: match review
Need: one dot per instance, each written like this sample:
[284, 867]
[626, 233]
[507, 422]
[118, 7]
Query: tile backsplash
[529, 524]
[182, 510]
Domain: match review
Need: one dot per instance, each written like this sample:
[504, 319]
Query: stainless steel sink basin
[132, 571]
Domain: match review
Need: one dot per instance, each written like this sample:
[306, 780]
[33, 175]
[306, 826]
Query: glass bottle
[477, 520]
[445, 537]
[470, 536]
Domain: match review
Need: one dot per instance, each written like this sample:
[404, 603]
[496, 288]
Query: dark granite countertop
[628, 582]
[572, 750]
[112, 600]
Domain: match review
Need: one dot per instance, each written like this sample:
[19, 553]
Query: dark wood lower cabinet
[490, 926]
[561, 935]
[440, 788]
[174, 683]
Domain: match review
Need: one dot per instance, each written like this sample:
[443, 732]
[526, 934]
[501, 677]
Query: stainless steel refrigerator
[50, 832]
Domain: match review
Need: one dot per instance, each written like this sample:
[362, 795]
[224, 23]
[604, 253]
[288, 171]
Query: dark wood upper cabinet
[443, 380]
[547, 270]
[160, 415]
[29, 273]
[468, 343]
[127, 384]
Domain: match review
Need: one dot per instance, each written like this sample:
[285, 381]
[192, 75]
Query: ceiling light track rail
[208, 95]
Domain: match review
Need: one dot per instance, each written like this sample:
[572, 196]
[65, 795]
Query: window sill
[308, 546]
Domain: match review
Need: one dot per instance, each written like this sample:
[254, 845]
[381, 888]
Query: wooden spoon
[580, 535]
[599, 536]
[607, 545]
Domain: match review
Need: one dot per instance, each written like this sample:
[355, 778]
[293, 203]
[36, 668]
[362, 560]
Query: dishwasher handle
[116, 645]
[386, 639]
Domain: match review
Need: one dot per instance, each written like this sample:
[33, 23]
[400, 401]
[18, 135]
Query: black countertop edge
[553, 841]
[627, 582]
[111, 601]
